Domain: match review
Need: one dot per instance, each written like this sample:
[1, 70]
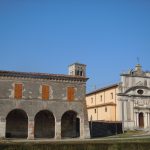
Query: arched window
[81, 73]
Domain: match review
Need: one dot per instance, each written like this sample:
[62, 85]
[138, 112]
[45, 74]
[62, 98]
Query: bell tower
[77, 69]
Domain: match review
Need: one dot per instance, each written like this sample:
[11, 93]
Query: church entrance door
[141, 120]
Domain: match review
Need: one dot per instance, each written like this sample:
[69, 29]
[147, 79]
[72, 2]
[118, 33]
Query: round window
[140, 92]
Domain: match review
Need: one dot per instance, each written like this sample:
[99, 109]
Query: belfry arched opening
[44, 124]
[70, 125]
[17, 124]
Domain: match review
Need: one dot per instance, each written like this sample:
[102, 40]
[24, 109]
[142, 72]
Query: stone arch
[17, 124]
[70, 125]
[141, 120]
[44, 124]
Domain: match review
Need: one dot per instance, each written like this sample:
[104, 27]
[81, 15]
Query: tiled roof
[77, 64]
[102, 89]
[40, 75]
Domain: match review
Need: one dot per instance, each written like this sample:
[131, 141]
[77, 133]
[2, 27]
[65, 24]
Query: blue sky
[48, 35]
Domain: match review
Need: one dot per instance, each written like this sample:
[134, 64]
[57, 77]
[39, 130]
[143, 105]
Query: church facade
[39, 105]
[134, 94]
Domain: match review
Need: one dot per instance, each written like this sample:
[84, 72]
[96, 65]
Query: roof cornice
[45, 76]
[102, 89]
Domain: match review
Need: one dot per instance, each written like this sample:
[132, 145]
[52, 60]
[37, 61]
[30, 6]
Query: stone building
[103, 104]
[134, 93]
[39, 105]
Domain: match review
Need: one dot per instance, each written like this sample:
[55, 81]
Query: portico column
[137, 118]
[145, 119]
[149, 120]
[30, 128]
[123, 117]
[2, 127]
[58, 129]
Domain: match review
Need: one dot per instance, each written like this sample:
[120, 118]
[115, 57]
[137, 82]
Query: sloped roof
[40, 75]
[102, 89]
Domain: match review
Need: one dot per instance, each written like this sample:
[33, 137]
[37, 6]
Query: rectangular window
[95, 110]
[101, 98]
[70, 93]
[45, 92]
[105, 109]
[111, 95]
[18, 91]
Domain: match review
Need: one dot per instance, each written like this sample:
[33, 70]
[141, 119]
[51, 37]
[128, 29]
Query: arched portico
[16, 124]
[70, 125]
[44, 124]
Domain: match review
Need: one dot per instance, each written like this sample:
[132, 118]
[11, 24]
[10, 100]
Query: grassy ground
[129, 136]
[125, 138]
[94, 144]
[133, 133]
[128, 141]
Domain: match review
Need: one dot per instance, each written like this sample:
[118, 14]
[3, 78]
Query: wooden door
[141, 120]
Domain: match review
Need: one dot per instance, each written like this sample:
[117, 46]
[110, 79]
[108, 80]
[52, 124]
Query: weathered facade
[38, 105]
[134, 93]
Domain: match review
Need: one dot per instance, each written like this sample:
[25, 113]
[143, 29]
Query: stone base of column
[30, 138]
[57, 137]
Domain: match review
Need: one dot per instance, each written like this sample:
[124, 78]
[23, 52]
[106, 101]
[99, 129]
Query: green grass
[94, 144]
[77, 146]
[133, 132]
[126, 141]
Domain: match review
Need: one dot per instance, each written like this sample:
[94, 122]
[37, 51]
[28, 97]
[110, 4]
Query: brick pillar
[31, 128]
[2, 127]
[58, 129]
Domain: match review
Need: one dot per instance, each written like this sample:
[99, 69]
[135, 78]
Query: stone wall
[32, 102]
